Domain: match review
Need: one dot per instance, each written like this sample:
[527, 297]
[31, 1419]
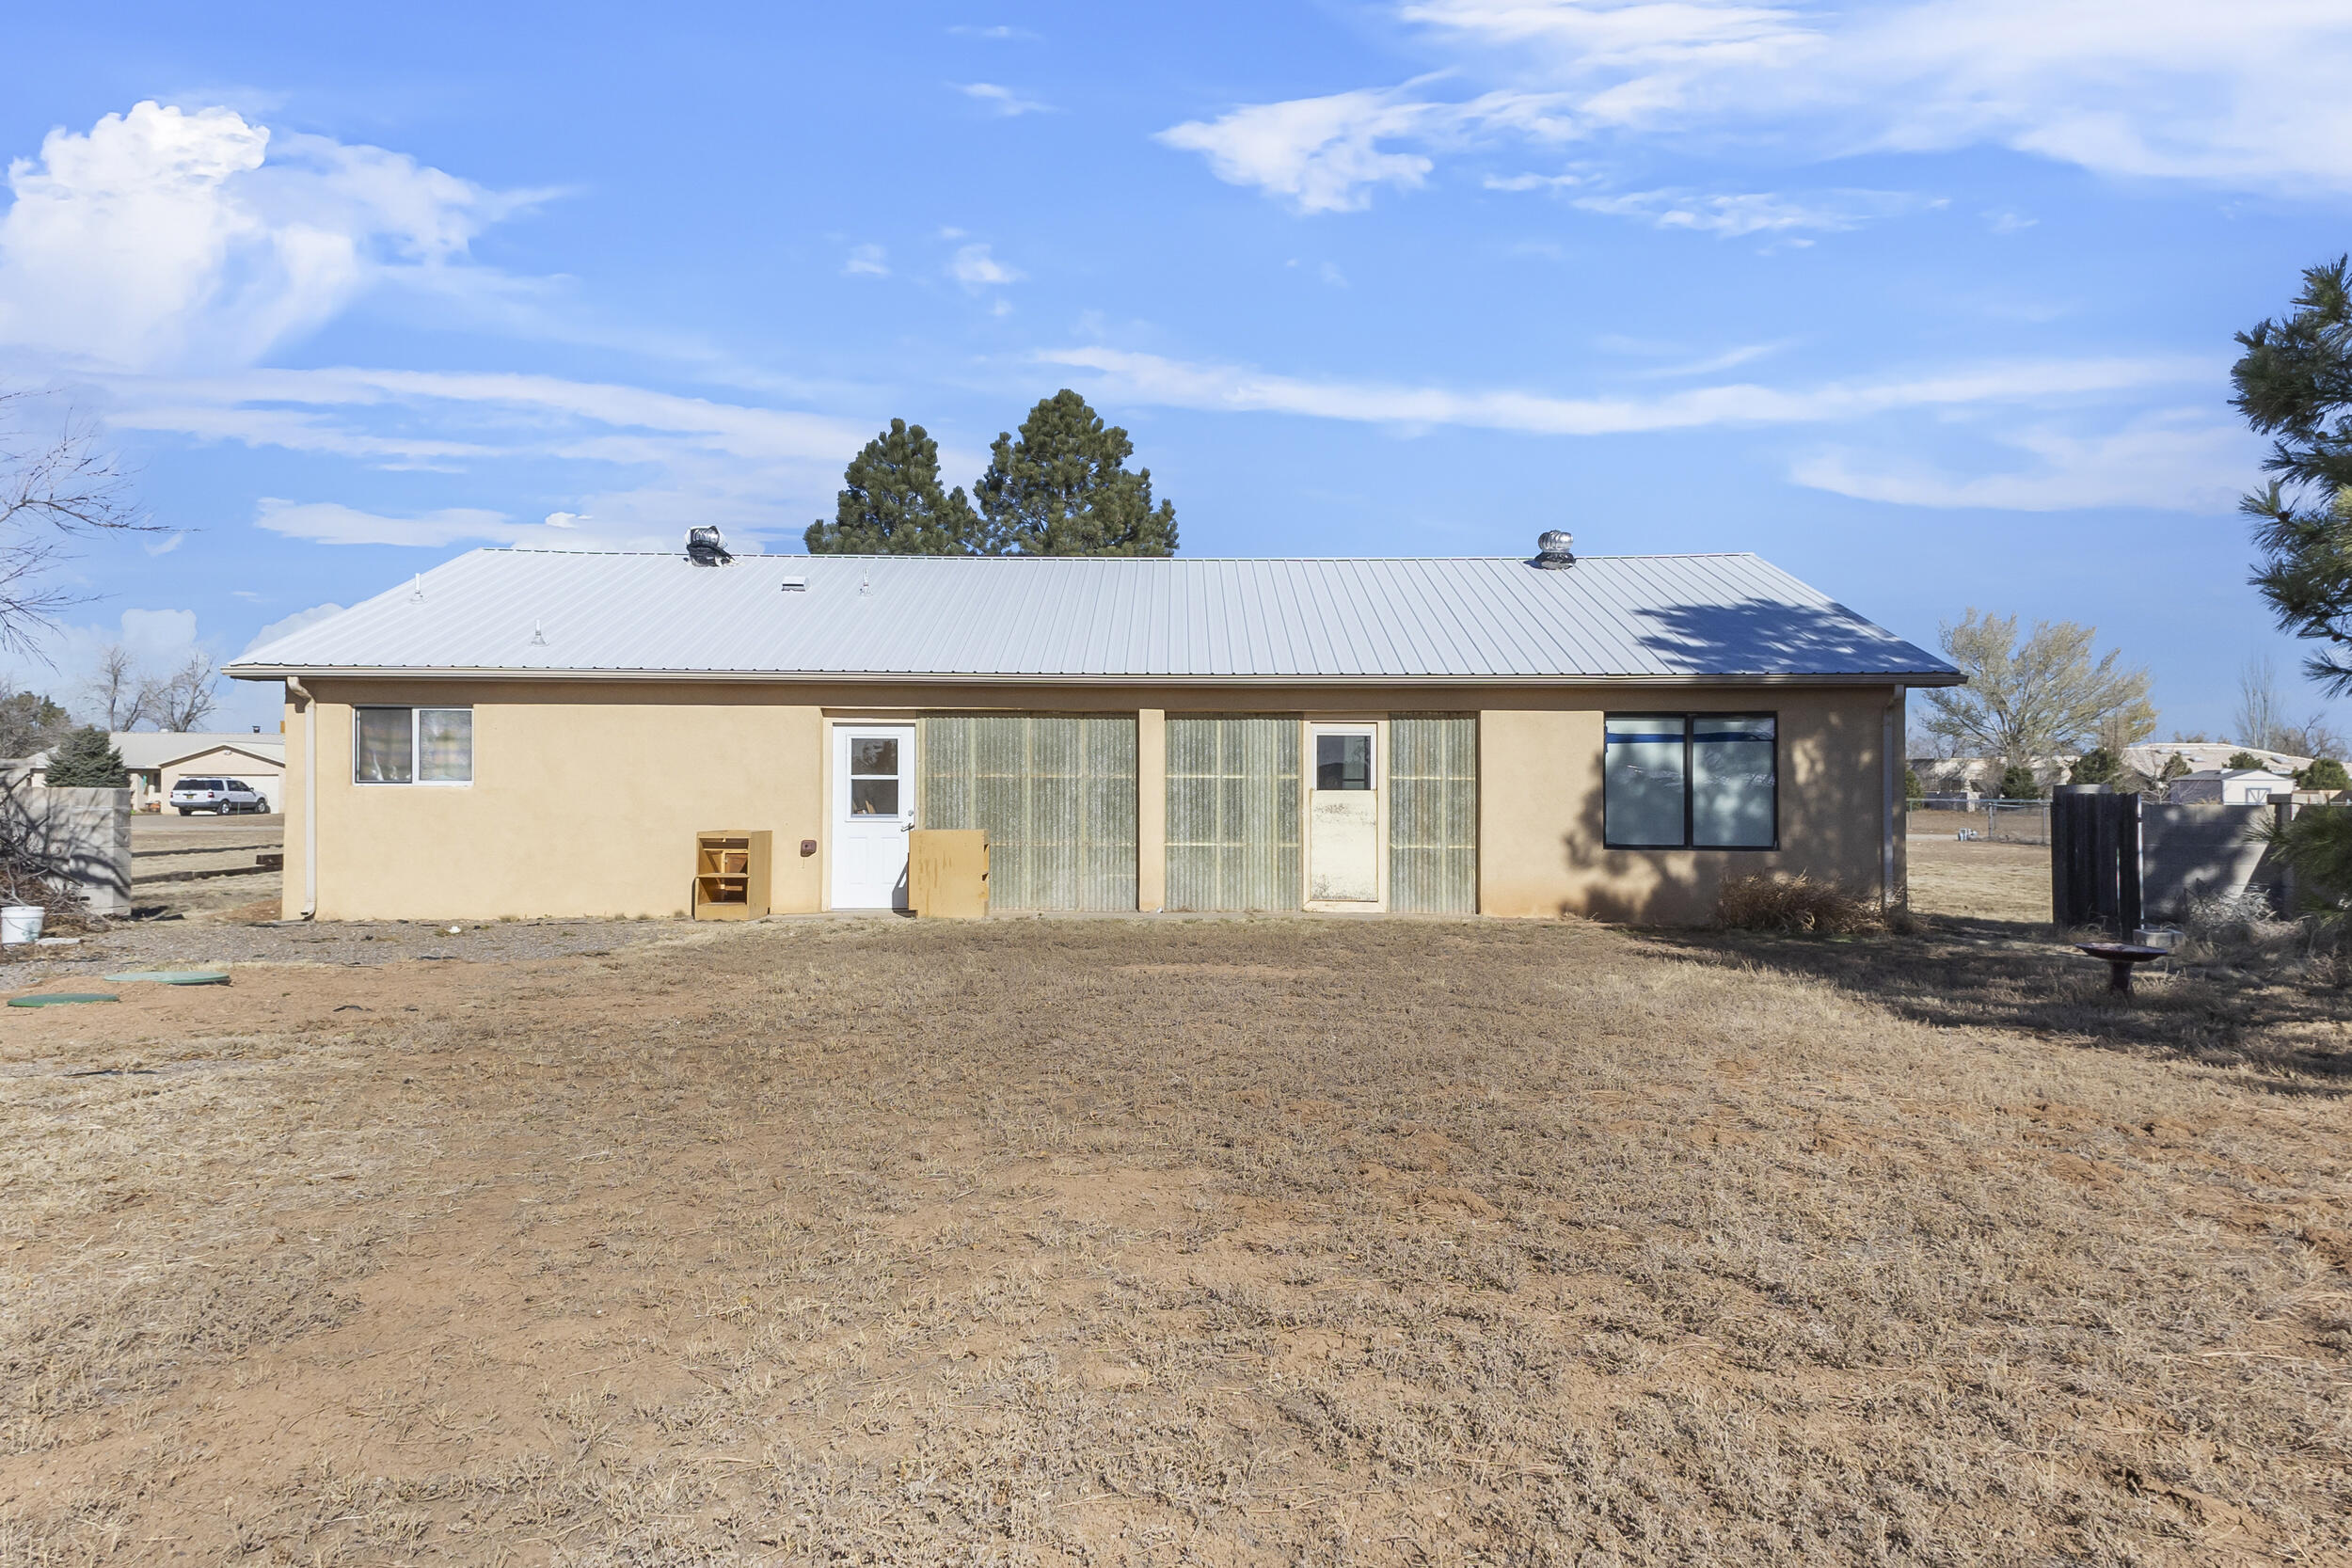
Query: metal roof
[145, 750]
[509, 612]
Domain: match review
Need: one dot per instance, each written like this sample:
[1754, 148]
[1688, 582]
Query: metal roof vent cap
[1555, 549]
[705, 547]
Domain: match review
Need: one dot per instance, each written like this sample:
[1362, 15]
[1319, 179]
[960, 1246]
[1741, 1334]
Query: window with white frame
[1689, 780]
[412, 745]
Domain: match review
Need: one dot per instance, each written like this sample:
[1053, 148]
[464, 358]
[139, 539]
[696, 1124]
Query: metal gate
[1233, 814]
[1433, 814]
[1056, 794]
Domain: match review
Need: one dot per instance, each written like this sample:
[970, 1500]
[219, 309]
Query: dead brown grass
[1980, 880]
[1154, 1242]
[1792, 906]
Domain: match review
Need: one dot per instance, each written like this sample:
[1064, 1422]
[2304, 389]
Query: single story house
[2229, 786]
[155, 760]
[523, 733]
[2199, 756]
[259, 760]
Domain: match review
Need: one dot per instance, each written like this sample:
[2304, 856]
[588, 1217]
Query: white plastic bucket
[20, 924]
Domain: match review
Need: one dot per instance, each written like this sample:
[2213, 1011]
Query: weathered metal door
[1233, 813]
[1343, 815]
[1433, 814]
[1056, 794]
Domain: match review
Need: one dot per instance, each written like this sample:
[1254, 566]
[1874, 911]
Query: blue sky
[1929, 303]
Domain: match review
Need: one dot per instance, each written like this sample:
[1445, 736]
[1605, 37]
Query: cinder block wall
[85, 833]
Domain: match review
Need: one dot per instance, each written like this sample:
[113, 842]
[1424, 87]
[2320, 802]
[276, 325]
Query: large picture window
[412, 745]
[1689, 780]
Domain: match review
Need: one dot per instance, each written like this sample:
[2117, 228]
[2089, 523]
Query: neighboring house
[158, 759]
[540, 734]
[2225, 786]
[1979, 775]
[2204, 756]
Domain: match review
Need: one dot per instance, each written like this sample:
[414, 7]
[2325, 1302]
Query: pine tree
[891, 502]
[2295, 383]
[87, 759]
[2245, 761]
[2095, 766]
[2323, 773]
[2019, 784]
[29, 724]
[1063, 488]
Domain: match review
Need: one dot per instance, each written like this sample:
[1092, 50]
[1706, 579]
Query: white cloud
[2242, 96]
[2183, 460]
[166, 547]
[1532, 181]
[1324, 154]
[1714, 364]
[867, 260]
[669, 460]
[288, 625]
[164, 238]
[1003, 100]
[332, 523]
[975, 269]
[998, 32]
[1149, 379]
[1755, 212]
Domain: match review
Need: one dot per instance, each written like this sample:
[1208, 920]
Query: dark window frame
[1688, 719]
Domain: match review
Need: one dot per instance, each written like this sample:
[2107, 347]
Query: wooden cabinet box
[731, 872]
[948, 873]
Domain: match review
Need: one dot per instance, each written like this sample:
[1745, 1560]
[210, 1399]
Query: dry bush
[2239, 919]
[1793, 905]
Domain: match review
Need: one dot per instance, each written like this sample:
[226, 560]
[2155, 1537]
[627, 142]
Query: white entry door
[873, 806]
[1343, 815]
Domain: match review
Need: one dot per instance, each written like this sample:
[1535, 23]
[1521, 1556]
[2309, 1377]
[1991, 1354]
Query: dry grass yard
[1984, 880]
[1158, 1243]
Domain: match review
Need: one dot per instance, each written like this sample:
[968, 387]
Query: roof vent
[1555, 549]
[706, 547]
[796, 585]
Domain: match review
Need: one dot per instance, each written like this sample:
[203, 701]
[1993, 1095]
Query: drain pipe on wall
[310, 797]
[1888, 784]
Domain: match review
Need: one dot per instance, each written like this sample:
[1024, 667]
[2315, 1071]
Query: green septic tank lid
[176, 976]
[60, 999]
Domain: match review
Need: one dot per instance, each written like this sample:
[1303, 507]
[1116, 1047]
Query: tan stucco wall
[1540, 850]
[586, 795]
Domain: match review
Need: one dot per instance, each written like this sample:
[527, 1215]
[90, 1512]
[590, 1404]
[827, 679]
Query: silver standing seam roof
[511, 613]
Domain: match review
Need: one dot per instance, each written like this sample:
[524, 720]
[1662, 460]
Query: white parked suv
[218, 795]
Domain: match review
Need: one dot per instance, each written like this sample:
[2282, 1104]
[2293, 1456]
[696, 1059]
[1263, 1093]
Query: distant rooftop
[522, 612]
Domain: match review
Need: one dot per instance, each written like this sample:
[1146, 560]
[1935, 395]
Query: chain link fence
[1982, 816]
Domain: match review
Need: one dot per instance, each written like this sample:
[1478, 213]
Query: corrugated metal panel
[1057, 795]
[1105, 617]
[1433, 814]
[1233, 813]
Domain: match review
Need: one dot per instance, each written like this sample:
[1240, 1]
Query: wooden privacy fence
[2116, 861]
[2094, 857]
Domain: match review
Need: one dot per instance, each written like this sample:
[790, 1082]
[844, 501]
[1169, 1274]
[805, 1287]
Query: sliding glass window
[1689, 780]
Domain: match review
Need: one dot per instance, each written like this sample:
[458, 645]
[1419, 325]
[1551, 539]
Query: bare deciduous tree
[2260, 719]
[187, 698]
[52, 487]
[2025, 702]
[119, 687]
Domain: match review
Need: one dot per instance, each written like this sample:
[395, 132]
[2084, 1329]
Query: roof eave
[350, 672]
